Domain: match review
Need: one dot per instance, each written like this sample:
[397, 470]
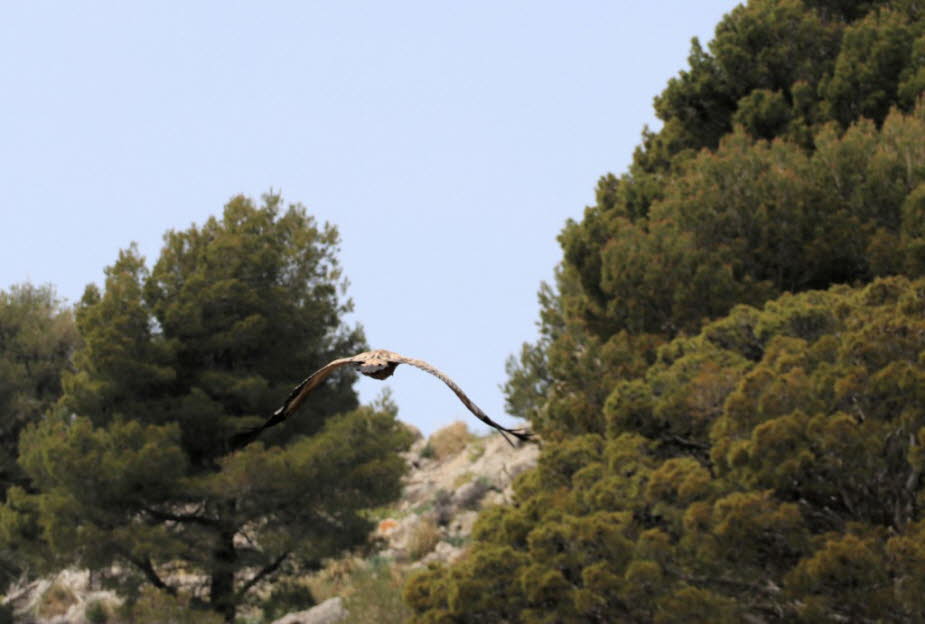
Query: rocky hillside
[445, 490]
[453, 475]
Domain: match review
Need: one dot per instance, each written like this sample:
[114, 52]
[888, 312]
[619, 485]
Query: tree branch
[270, 568]
[687, 443]
[150, 573]
[766, 590]
[182, 518]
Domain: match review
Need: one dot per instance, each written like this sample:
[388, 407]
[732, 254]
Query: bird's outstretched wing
[378, 364]
[292, 402]
[520, 434]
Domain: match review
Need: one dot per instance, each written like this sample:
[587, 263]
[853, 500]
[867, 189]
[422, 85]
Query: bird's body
[378, 364]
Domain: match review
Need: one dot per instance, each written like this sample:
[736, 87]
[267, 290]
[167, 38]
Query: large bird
[378, 364]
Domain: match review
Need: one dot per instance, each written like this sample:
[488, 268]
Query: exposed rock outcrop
[330, 611]
[447, 493]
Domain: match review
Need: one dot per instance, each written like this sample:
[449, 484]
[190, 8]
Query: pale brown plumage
[378, 364]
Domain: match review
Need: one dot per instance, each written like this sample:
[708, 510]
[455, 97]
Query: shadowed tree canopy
[135, 469]
[37, 339]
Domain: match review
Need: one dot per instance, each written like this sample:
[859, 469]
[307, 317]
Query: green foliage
[875, 67]
[747, 220]
[428, 452]
[286, 597]
[135, 471]
[375, 595]
[156, 607]
[684, 236]
[738, 225]
[96, 612]
[37, 339]
[770, 466]
[716, 449]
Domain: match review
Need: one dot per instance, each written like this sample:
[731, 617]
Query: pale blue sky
[448, 141]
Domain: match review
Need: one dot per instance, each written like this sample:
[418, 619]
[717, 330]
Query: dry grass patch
[376, 598]
[423, 539]
[371, 589]
[476, 450]
[334, 579]
[56, 600]
[462, 479]
[450, 440]
[156, 607]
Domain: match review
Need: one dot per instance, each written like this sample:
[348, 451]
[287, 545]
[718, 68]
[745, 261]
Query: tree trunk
[221, 587]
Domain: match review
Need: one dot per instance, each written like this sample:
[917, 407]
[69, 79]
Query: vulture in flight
[378, 364]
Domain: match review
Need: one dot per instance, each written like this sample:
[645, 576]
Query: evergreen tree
[135, 469]
[769, 468]
[37, 339]
[715, 449]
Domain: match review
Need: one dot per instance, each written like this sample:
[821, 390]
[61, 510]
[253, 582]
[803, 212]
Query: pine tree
[716, 449]
[769, 467]
[37, 339]
[134, 471]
